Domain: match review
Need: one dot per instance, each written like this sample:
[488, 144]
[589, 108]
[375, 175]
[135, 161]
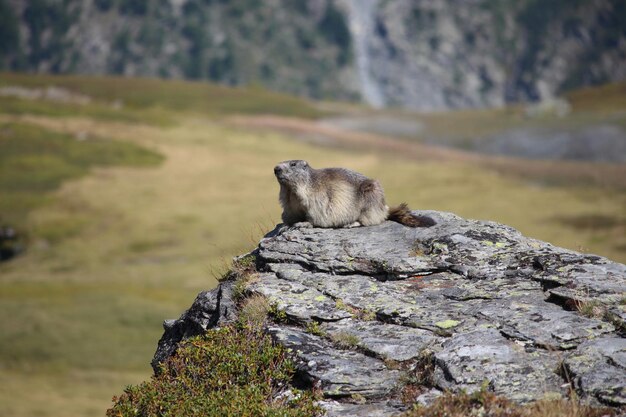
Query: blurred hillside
[424, 54]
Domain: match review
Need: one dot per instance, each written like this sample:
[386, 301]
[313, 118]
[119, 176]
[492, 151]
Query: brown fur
[336, 197]
[402, 214]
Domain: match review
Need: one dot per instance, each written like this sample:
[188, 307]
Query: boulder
[462, 305]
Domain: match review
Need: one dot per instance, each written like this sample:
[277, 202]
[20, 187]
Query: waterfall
[361, 22]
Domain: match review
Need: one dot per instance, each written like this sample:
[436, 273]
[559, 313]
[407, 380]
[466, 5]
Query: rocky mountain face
[422, 54]
[438, 54]
[463, 304]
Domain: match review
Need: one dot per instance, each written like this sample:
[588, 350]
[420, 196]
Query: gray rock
[387, 341]
[345, 251]
[376, 409]
[210, 309]
[484, 357]
[299, 302]
[339, 373]
[543, 324]
[598, 370]
[487, 306]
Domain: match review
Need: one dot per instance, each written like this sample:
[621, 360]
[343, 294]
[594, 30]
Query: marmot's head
[292, 172]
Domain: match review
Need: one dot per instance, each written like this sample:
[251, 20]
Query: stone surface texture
[462, 305]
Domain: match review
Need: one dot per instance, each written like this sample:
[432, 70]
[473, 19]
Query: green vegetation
[254, 311]
[226, 372]
[607, 99]
[484, 403]
[313, 327]
[47, 22]
[334, 28]
[278, 315]
[170, 40]
[145, 100]
[9, 31]
[101, 111]
[345, 340]
[34, 161]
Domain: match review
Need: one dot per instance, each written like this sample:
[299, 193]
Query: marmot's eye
[293, 164]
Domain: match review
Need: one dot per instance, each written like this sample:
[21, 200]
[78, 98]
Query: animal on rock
[336, 197]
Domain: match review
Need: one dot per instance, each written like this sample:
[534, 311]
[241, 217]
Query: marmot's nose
[277, 169]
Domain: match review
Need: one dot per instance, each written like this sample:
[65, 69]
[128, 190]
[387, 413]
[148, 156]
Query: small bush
[233, 371]
[278, 315]
[314, 328]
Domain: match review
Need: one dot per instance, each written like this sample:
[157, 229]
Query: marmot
[336, 197]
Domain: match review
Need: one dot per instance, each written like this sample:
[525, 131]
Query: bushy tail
[402, 214]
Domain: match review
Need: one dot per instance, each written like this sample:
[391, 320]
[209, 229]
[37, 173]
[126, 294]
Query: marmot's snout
[280, 172]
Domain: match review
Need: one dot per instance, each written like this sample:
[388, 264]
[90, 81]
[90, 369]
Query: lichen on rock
[483, 306]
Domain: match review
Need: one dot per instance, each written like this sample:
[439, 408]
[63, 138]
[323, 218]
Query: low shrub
[232, 371]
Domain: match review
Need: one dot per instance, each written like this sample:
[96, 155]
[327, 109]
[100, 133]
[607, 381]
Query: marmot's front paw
[302, 225]
[351, 225]
[282, 227]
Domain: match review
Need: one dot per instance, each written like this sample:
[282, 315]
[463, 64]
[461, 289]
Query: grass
[314, 328]
[605, 99]
[159, 96]
[34, 161]
[254, 311]
[345, 340]
[99, 110]
[118, 248]
[588, 106]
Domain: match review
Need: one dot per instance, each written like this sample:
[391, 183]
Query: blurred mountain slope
[422, 54]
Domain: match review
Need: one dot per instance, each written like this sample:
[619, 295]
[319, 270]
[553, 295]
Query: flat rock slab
[544, 324]
[376, 409]
[387, 341]
[599, 369]
[339, 373]
[300, 303]
[487, 305]
[471, 360]
[344, 251]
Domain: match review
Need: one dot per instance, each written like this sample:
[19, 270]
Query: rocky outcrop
[462, 305]
[210, 309]
[439, 54]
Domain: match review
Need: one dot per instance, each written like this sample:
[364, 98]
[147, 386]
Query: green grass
[607, 99]
[35, 161]
[345, 340]
[98, 110]
[154, 95]
[81, 326]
